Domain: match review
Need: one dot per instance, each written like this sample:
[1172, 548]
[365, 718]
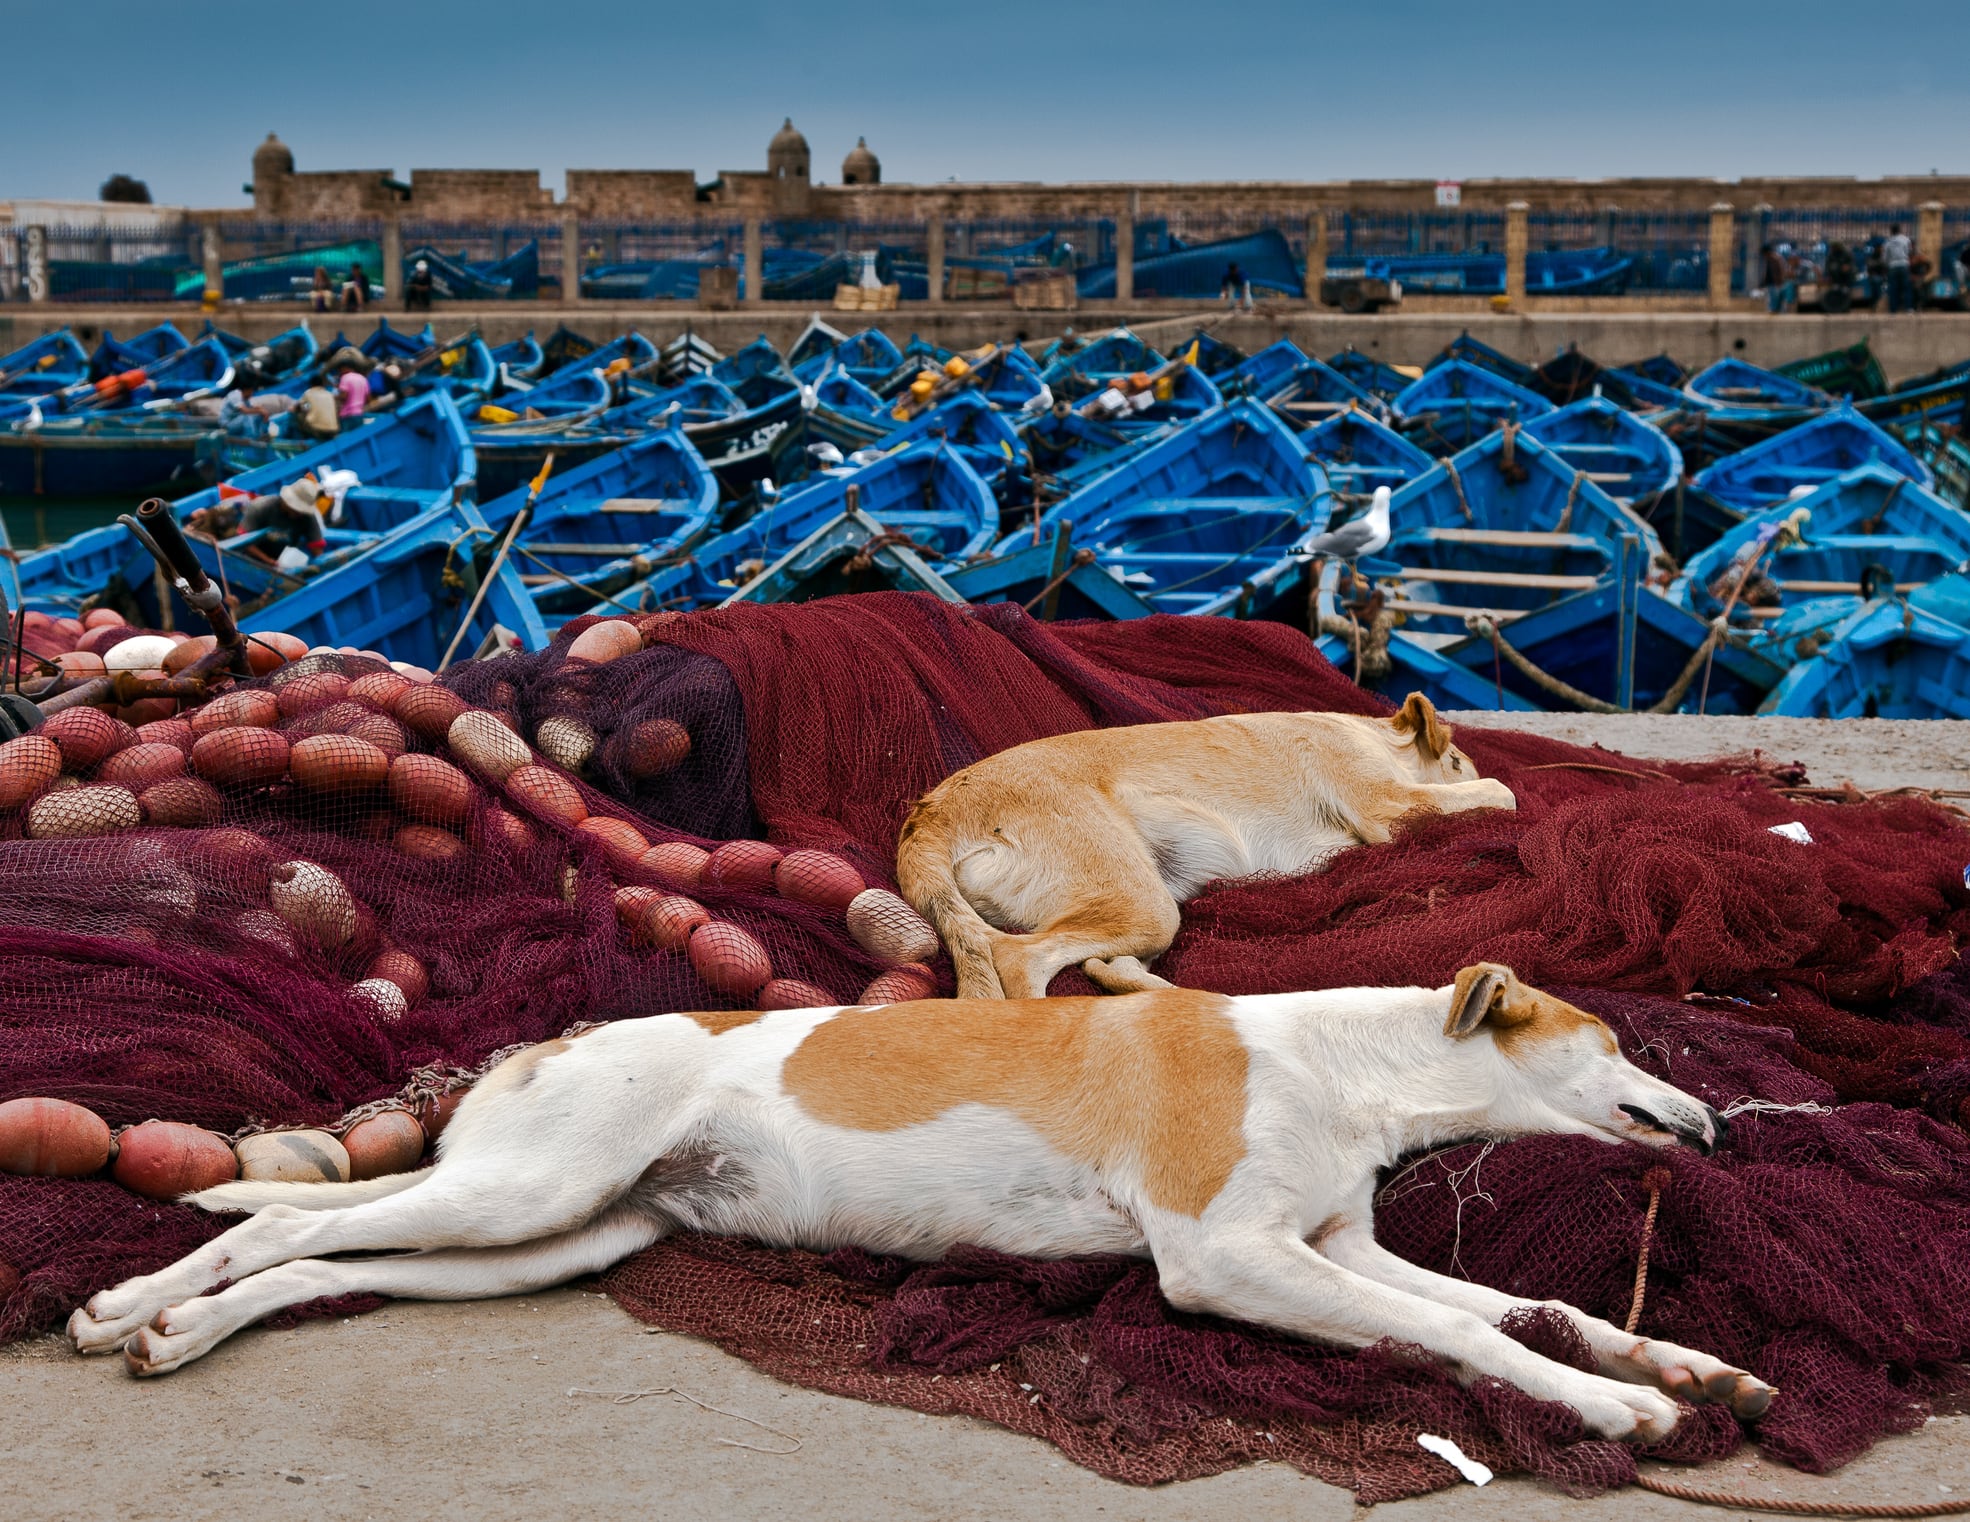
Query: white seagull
[1355, 538]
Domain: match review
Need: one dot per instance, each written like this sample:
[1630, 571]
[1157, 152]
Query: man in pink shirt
[352, 392]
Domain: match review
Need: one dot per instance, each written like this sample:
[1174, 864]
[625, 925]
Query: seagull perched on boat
[1353, 539]
[1040, 401]
[824, 454]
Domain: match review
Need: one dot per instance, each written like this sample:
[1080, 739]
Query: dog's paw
[87, 1334]
[110, 1316]
[1615, 1410]
[1695, 1377]
[172, 1339]
[1500, 796]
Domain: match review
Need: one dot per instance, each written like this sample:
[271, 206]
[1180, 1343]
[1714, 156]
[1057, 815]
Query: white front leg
[1274, 1279]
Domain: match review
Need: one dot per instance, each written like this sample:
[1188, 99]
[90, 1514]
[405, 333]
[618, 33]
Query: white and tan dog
[1088, 842]
[1236, 1141]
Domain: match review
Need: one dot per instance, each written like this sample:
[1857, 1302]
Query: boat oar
[492, 572]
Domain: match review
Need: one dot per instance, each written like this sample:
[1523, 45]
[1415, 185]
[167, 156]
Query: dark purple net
[145, 974]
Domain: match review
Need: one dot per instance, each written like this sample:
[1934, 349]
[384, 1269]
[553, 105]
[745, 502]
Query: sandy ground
[422, 1410]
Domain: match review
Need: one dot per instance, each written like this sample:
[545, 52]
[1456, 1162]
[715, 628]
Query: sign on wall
[1449, 193]
[34, 255]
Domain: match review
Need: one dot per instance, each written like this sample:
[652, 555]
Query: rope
[1487, 628]
[1457, 481]
[1080, 558]
[1708, 1497]
[1572, 495]
[1873, 525]
[1657, 1179]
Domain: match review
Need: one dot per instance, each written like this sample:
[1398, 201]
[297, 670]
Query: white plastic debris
[1455, 1457]
[1794, 831]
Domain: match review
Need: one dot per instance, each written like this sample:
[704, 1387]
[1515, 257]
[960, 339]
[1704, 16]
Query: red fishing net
[153, 972]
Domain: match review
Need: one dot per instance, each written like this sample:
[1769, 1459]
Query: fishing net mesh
[146, 974]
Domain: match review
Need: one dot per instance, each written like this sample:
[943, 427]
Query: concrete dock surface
[464, 1410]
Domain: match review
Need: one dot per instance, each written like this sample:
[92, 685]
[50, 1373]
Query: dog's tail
[924, 872]
[249, 1195]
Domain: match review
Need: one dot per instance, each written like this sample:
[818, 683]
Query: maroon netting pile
[153, 972]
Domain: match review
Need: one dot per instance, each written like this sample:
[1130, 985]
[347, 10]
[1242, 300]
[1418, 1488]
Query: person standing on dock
[1780, 288]
[1896, 251]
[1235, 290]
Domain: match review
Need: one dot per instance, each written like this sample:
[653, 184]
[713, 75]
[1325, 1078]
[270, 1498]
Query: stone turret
[861, 167]
[788, 164]
[273, 167]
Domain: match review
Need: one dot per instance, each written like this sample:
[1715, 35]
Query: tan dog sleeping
[1090, 841]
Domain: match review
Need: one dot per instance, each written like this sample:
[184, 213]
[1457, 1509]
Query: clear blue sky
[179, 94]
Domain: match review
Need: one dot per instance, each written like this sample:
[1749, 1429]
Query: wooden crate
[718, 287]
[1044, 291]
[857, 298]
[977, 285]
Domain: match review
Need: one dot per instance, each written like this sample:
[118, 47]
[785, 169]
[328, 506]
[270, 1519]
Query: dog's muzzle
[1706, 1138]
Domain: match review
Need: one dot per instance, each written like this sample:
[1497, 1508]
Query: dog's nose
[1718, 1124]
[1706, 1139]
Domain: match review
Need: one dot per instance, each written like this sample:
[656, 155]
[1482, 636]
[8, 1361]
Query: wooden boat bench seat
[1509, 538]
[1538, 581]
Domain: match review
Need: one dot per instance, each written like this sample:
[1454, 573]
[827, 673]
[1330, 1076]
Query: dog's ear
[1418, 717]
[1483, 991]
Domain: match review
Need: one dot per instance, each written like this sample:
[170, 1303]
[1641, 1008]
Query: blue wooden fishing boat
[1652, 395]
[1215, 357]
[1806, 564]
[80, 443]
[520, 361]
[1456, 403]
[1827, 445]
[406, 464]
[512, 453]
[1262, 373]
[816, 340]
[840, 390]
[927, 490]
[1359, 453]
[1937, 400]
[601, 526]
[1738, 385]
[569, 392]
[408, 594]
[1093, 365]
[1007, 376]
[114, 355]
[1686, 519]
[1475, 351]
[387, 342]
[457, 278]
[96, 454]
[1548, 272]
[1886, 660]
[631, 351]
[1627, 458]
[738, 447]
[1371, 375]
[870, 356]
[1661, 369]
[1197, 272]
[1203, 521]
[467, 372]
[279, 359]
[1314, 393]
[51, 362]
[1507, 551]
